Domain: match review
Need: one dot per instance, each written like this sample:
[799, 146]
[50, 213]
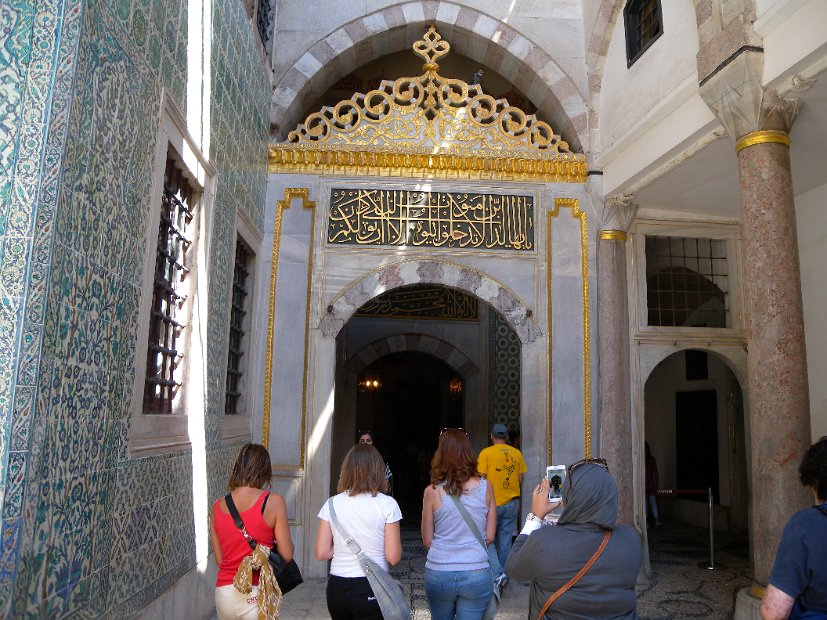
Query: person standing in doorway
[652, 482]
[503, 466]
[367, 437]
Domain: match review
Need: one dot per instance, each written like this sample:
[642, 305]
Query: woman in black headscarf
[549, 557]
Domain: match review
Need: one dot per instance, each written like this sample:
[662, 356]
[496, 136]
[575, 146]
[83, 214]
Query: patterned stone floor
[678, 588]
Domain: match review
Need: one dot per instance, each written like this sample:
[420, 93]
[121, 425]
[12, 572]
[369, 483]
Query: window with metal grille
[644, 24]
[687, 282]
[262, 15]
[238, 328]
[166, 322]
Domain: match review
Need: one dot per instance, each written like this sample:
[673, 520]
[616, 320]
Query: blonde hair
[363, 471]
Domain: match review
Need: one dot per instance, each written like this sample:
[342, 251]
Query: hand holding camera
[540, 504]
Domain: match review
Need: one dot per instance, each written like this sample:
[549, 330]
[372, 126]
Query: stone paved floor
[677, 589]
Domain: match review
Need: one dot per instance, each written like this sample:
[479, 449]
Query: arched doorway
[695, 427]
[405, 399]
[414, 360]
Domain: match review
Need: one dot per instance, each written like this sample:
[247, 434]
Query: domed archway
[695, 428]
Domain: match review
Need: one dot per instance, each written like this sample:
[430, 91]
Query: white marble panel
[308, 65]
[508, 67]
[296, 220]
[519, 47]
[288, 364]
[486, 27]
[375, 23]
[283, 97]
[413, 12]
[321, 14]
[447, 13]
[339, 40]
[291, 488]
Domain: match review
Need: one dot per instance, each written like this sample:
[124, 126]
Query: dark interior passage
[405, 399]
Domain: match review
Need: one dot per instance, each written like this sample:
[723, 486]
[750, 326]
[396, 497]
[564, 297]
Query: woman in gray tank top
[457, 577]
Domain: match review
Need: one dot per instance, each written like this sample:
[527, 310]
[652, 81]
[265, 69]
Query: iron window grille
[238, 312]
[643, 20]
[166, 322]
[687, 282]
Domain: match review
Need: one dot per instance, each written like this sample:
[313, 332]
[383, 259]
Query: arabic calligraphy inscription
[436, 219]
[423, 302]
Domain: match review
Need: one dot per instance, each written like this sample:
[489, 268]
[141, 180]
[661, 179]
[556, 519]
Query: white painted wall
[794, 36]
[811, 213]
[630, 95]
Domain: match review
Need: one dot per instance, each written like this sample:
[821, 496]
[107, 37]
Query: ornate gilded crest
[428, 126]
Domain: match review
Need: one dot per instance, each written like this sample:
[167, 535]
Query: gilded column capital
[737, 97]
[616, 216]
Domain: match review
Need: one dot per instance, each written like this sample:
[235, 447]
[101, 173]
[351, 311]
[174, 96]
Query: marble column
[613, 350]
[777, 358]
[759, 120]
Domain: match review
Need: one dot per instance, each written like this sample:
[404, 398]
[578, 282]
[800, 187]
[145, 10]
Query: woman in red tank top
[265, 519]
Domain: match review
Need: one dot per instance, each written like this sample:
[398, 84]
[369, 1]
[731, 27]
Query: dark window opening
[696, 449]
[644, 24]
[697, 365]
[687, 282]
[168, 296]
[238, 310]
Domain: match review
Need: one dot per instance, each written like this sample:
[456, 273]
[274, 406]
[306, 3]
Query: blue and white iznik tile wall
[85, 530]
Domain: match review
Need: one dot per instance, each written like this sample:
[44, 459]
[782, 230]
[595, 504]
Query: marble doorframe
[323, 361]
[349, 369]
[646, 355]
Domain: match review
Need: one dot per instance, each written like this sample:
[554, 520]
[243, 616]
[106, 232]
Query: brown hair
[454, 462]
[252, 468]
[363, 471]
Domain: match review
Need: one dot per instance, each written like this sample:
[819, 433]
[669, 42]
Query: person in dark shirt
[798, 581]
[550, 555]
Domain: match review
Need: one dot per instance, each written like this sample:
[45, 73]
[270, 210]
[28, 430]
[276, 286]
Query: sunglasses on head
[570, 469]
[453, 429]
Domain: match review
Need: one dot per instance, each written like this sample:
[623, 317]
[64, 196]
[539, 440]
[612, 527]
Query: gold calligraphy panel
[436, 219]
[423, 302]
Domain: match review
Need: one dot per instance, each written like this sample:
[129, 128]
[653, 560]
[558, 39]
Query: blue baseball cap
[499, 431]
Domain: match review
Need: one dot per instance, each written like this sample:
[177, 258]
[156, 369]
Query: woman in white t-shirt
[372, 518]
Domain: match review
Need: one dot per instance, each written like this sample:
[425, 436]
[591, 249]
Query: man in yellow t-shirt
[503, 466]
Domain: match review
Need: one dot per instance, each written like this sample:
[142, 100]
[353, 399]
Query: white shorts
[230, 604]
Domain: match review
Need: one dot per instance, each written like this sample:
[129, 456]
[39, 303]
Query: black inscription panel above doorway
[437, 219]
[422, 301]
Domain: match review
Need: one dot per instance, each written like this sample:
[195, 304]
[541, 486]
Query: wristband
[532, 523]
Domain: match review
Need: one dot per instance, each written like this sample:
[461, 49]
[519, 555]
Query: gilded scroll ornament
[429, 125]
[434, 219]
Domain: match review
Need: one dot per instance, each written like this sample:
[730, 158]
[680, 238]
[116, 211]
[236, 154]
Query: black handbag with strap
[287, 573]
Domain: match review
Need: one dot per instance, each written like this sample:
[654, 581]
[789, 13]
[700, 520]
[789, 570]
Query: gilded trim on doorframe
[574, 205]
[281, 205]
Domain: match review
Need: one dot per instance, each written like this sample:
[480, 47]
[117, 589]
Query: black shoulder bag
[287, 573]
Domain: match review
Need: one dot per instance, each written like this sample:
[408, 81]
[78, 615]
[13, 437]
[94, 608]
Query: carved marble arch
[345, 304]
[423, 343]
[734, 357]
[428, 125]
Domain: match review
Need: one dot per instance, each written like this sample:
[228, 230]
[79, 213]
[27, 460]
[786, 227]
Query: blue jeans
[506, 520]
[460, 595]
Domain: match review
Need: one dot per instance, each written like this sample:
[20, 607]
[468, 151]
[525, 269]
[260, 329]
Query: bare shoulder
[276, 500]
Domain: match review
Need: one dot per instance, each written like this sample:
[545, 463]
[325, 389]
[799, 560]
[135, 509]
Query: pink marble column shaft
[613, 348]
[779, 415]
